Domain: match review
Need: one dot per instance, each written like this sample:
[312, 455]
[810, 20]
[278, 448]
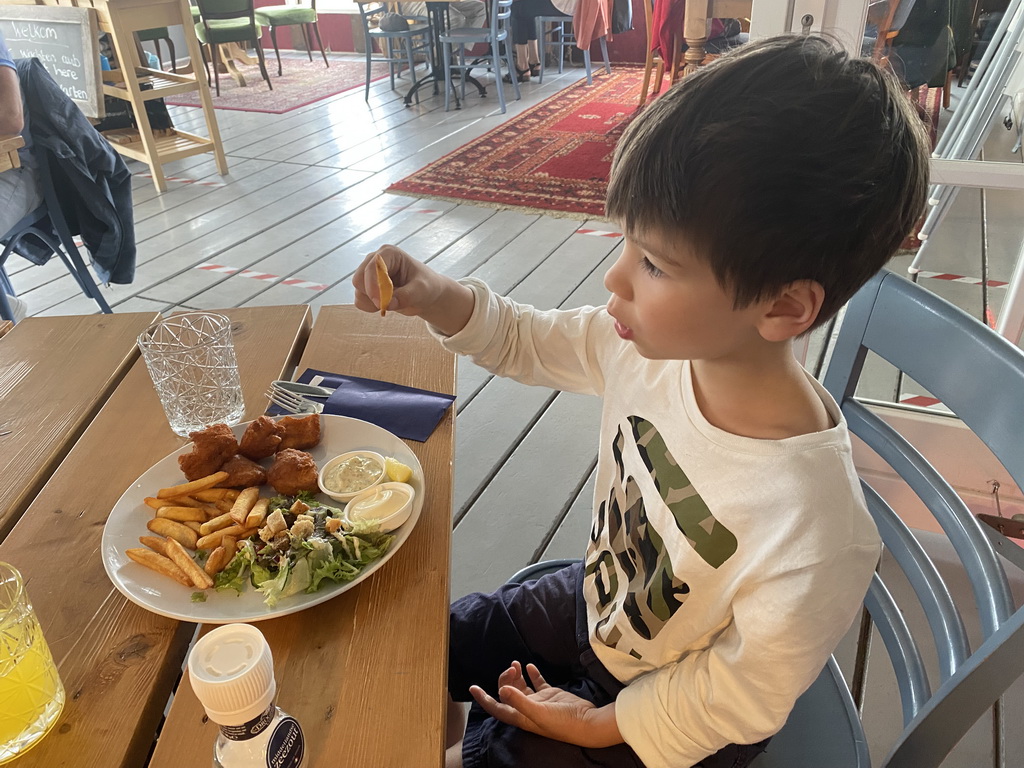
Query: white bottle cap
[232, 672]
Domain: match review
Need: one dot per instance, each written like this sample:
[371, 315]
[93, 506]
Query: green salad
[303, 545]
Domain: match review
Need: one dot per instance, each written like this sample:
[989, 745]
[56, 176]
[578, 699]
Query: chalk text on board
[27, 30]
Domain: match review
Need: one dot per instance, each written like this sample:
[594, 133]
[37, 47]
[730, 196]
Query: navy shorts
[543, 622]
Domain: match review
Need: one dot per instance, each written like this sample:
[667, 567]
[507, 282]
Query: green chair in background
[301, 16]
[154, 36]
[229, 21]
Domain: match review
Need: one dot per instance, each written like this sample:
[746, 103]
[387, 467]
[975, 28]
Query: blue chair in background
[496, 35]
[979, 376]
[413, 39]
[562, 37]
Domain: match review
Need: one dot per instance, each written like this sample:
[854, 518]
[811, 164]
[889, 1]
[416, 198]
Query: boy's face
[668, 303]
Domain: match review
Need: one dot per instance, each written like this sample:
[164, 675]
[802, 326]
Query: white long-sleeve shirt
[722, 570]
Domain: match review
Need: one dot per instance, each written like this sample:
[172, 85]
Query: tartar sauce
[353, 474]
[378, 504]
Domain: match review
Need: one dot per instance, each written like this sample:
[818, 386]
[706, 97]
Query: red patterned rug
[302, 82]
[553, 158]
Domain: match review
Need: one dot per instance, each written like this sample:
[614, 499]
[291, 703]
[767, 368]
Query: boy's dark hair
[784, 160]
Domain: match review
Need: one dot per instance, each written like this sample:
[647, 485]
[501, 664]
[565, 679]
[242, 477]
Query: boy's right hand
[418, 291]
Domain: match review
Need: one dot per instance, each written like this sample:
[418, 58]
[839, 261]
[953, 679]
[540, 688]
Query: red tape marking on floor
[961, 279]
[265, 276]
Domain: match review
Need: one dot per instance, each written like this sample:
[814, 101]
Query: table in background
[9, 146]
[378, 649]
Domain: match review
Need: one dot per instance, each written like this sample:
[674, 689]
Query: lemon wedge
[397, 471]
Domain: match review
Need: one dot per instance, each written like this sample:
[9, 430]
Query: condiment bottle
[232, 672]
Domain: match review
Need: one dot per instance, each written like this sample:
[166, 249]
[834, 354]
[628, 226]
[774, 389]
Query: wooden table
[364, 673]
[9, 146]
[698, 16]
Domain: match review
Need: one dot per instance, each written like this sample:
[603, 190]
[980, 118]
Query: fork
[291, 402]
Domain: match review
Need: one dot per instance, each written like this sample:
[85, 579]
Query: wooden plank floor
[304, 202]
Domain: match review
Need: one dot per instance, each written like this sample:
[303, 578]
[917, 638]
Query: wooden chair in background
[654, 62]
[302, 16]
[229, 21]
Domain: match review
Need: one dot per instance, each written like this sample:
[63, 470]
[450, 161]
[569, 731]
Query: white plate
[157, 593]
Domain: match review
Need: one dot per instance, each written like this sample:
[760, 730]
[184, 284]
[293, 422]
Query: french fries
[387, 288]
[198, 515]
[258, 514]
[191, 487]
[184, 561]
[182, 514]
[216, 561]
[244, 503]
[181, 533]
[159, 563]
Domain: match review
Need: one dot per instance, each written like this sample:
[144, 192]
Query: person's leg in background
[524, 34]
[19, 196]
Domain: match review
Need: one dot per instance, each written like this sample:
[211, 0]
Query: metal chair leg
[513, 75]
[542, 44]
[604, 53]
[369, 57]
[462, 70]
[174, 58]
[277, 53]
[586, 66]
[446, 54]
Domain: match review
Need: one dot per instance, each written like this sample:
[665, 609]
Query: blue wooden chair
[398, 47]
[495, 35]
[980, 377]
[561, 38]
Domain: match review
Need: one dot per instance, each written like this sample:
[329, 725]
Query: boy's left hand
[547, 710]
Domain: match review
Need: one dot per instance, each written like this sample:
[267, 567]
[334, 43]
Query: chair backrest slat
[951, 643]
[903, 651]
[986, 574]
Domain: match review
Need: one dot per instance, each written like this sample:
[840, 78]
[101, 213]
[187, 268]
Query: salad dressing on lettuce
[309, 544]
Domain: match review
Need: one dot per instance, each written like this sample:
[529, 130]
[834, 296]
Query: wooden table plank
[5, 327]
[9, 158]
[119, 663]
[360, 705]
[55, 374]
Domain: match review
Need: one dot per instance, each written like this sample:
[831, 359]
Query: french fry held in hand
[184, 560]
[182, 514]
[258, 514]
[386, 287]
[159, 563]
[244, 504]
[192, 487]
[175, 530]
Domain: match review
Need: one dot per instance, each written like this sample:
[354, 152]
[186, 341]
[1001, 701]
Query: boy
[730, 548]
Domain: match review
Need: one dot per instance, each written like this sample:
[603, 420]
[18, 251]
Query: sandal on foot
[535, 70]
[522, 76]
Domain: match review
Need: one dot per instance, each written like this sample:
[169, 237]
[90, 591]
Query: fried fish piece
[293, 471]
[301, 432]
[243, 473]
[211, 447]
[261, 439]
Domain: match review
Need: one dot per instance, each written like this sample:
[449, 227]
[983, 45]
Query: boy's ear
[793, 310]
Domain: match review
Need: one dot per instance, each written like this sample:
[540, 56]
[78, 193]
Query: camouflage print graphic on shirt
[709, 538]
[637, 552]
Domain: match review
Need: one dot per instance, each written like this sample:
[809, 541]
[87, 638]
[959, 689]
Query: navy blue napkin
[408, 412]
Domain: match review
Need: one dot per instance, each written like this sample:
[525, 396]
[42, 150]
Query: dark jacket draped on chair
[92, 183]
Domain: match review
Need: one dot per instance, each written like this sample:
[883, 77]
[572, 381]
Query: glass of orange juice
[31, 694]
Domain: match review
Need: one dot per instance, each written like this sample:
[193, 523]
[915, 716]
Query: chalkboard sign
[64, 40]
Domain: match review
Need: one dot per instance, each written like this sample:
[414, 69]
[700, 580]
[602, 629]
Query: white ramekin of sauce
[390, 504]
[351, 473]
